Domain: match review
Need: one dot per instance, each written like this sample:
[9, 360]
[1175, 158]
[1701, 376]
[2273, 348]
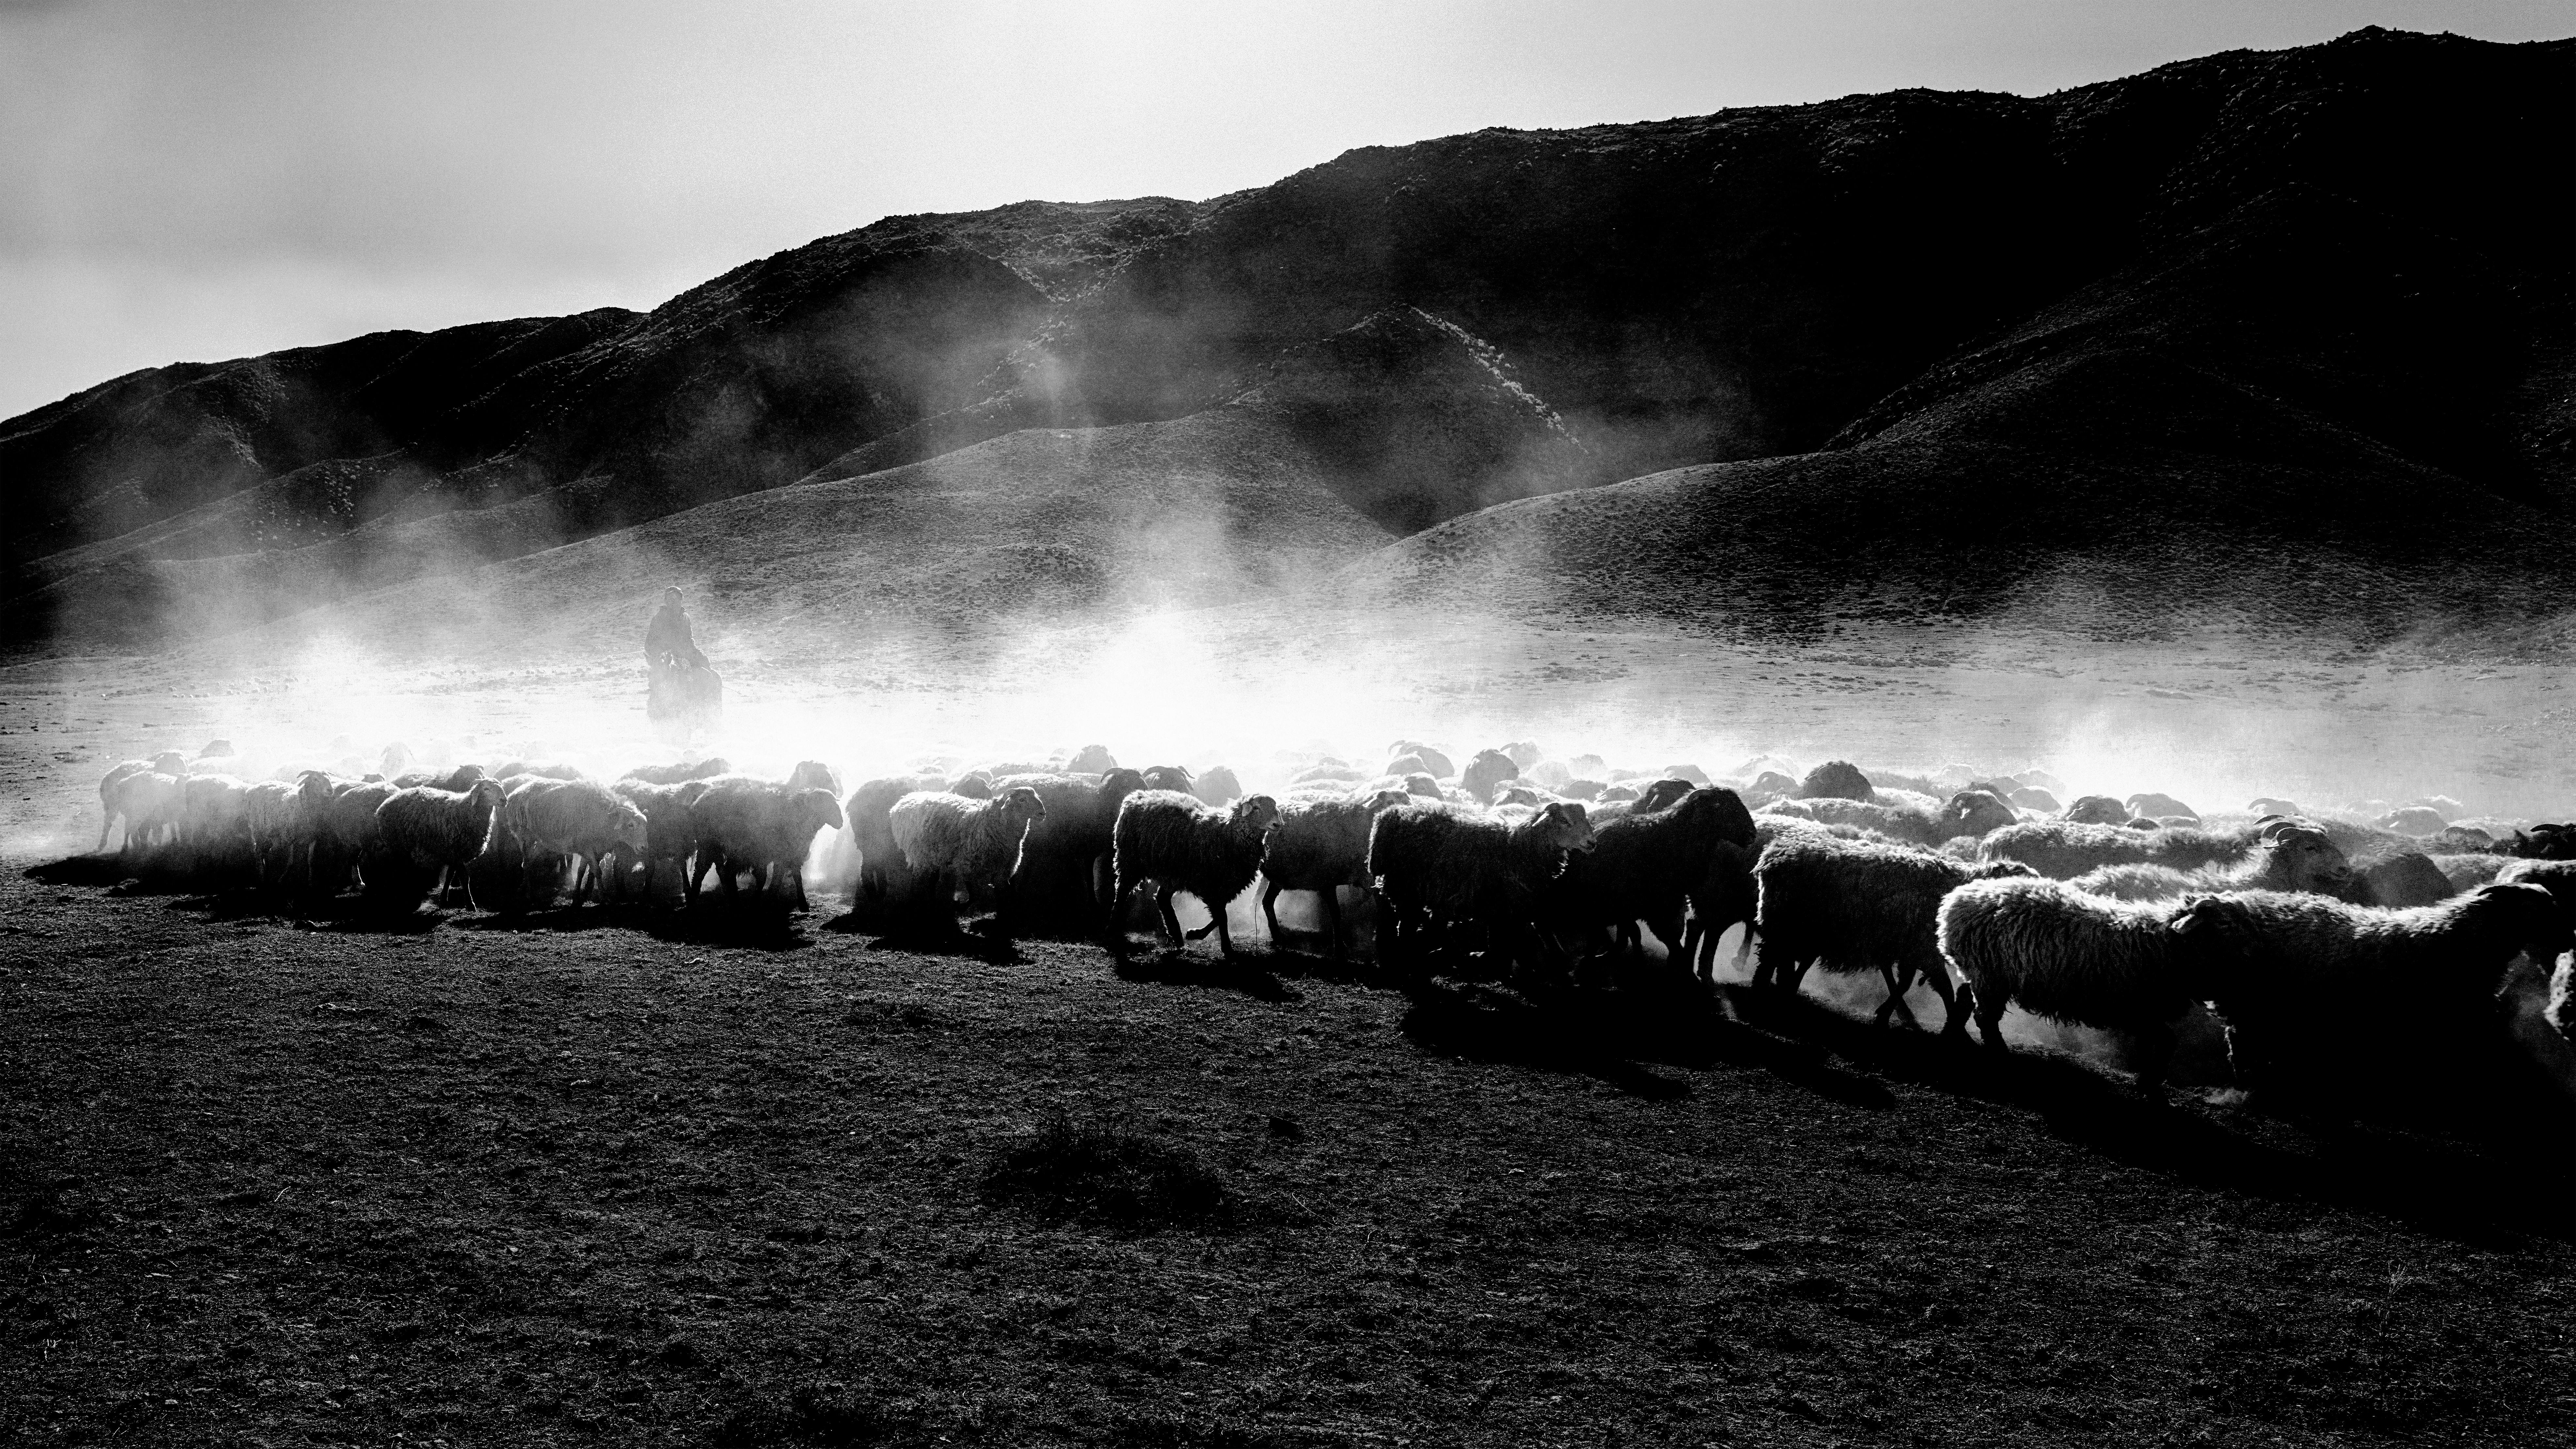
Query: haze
[201, 182]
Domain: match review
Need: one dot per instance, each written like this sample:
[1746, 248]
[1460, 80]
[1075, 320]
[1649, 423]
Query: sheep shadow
[1168, 966]
[1298, 964]
[2466, 1191]
[1474, 1022]
[86, 870]
[920, 935]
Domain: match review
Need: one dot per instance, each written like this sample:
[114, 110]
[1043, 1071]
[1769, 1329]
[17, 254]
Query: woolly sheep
[1860, 907]
[2120, 966]
[581, 821]
[2290, 858]
[2469, 871]
[438, 832]
[1063, 872]
[150, 803]
[958, 846]
[214, 821]
[1182, 844]
[884, 874]
[1523, 753]
[2155, 806]
[455, 781]
[1433, 761]
[1837, 780]
[2096, 810]
[705, 769]
[670, 834]
[1487, 770]
[168, 762]
[766, 827]
[2398, 878]
[516, 768]
[1659, 795]
[1217, 785]
[286, 822]
[1643, 867]
[2064, 849]
[1091, 760]
[1321, 846]
[2321, 995]
[349, 834]
[1435, 866]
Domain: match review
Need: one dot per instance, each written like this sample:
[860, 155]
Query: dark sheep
[1489, 769]
[1644, 866]
[1860, 907]
[1435, 866]
[1182, 844]
[1836, 780]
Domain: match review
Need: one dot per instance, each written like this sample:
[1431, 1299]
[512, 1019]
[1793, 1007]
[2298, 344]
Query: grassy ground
[594, 1177]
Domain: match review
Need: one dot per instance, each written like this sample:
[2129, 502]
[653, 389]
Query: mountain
[2289, 334]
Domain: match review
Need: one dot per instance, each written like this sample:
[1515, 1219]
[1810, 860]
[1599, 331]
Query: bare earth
[648, 1179]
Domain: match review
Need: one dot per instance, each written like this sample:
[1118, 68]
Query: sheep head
[1562, 826]
[813, 775]
[2002, 870]
[313, 787]
[2097, 810]
[170, 762]
[1020, 807]
[626, 828]
[2309, 861]
[1977, 812]
[819, 808]
[1659, 795]
[485, 793]
[1254, 816]
[973, 786]
[1167, 777]
[1119, 783]
[1385, 800]
[466, 777]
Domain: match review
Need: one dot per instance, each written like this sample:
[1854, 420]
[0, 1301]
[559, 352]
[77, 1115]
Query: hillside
[2165, 336]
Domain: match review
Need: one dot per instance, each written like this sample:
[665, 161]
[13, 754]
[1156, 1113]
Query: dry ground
[630, 1179]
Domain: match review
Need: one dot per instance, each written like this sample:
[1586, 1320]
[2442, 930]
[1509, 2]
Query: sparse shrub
[1098, 1173]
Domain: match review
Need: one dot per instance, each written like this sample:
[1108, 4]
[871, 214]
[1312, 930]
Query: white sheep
[2068, 956]
[956, 846]
[111, 797]
[1181, 843]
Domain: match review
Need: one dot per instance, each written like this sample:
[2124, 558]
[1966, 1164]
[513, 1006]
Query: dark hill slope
[2249, 423]
[1749, 284]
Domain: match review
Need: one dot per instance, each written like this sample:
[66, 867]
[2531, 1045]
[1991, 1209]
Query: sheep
[2471, 870]
[1433, 760]
[2096, 810]
[1970, 812]
[2065, 849]
[1489, 769]
[1089, 760]
[1659, 795]
[2320, 994]
[1330, 771]
[214, 821]
[516, 768]
[708, 768]
[1860, 907]
[810, 775]
[1836, 780]
[168, 762]
[1180, 844]
[1168, 777]
[1321, 846]
[1432, 864]
[2292, 857]
[1217, 785]
[764, 826]
[958, 846]
[455, 781]
[438, 831]
[349, 833]
[581, 820]
[150, 802]
[1643, 867]
[883, 872]
[1063, 872]
[2120, 966]
[286, 823]
[669, 833]
[2398, 878]
[2155, 806]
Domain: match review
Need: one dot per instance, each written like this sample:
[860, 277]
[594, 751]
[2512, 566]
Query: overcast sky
[204, 180]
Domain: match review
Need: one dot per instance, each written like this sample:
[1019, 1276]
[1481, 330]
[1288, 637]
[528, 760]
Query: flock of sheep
[2314, 938]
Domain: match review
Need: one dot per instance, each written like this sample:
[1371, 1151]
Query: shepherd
[684, 694]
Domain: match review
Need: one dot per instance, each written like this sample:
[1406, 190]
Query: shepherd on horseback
[684, 694]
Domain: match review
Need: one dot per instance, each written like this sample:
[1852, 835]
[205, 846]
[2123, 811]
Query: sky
[197, 181]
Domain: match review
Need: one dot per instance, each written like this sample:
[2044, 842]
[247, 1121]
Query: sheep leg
[1332, 920]
[104, 826]
[1171, 922]
[1224, 941]
[695, 880]
[1990, 1016]
[1270, 906]
[1696, 949]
